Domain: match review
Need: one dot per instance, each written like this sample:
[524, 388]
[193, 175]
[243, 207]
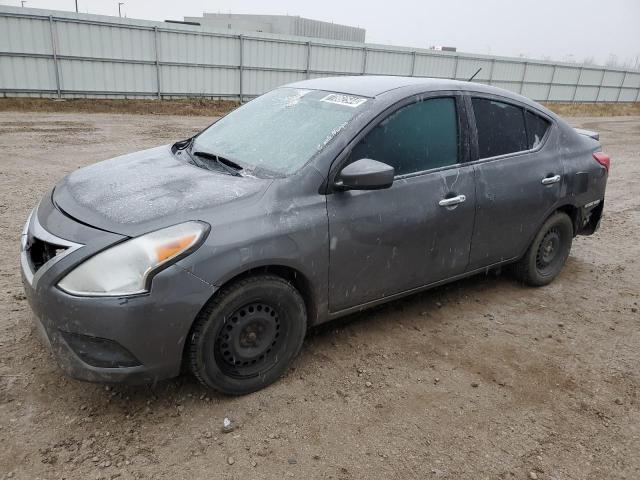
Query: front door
[417, 232]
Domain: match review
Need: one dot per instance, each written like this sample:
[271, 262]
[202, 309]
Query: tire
[248, 335]
[548, 252]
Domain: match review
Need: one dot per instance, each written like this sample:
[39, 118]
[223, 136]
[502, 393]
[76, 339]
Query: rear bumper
[590, 217]
[136, 339]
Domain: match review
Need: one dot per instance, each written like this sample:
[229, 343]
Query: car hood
[143, 191]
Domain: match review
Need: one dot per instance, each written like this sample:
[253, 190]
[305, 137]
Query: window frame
[462, 125]
[475, 155]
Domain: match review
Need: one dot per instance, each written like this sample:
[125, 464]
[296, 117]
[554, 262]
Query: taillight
[603, 159]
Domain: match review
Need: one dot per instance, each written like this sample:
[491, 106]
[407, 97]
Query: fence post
[524, 74]
[604, 72]
[54, 50]
[413, 63]
[455, 69]
[638, 95]
[490, 80]
[241, 66]
[575, 90]
[308, 59]
[553, 76]
[624, 78]
[156, 45]
[364, 61]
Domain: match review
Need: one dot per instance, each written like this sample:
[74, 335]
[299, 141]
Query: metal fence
[48, 53]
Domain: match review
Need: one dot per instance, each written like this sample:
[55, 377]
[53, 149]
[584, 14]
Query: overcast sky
[569, 30]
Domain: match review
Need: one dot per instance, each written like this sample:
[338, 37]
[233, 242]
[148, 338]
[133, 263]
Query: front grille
[40, 252]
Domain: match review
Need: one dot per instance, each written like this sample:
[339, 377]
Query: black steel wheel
[248, 335]
[548, 252]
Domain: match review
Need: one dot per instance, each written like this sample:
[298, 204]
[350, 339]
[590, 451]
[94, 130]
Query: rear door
[417, 232]
[518, 177]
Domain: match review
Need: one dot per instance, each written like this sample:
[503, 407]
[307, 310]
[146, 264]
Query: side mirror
[365, 174]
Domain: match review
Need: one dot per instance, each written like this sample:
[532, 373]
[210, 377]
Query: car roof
[378, 85]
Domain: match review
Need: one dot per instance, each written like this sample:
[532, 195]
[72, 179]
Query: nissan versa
[312, 201]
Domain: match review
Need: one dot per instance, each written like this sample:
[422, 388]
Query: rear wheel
[248, 335]
[548, 252]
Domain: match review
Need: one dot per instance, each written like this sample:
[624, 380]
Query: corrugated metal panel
[608, 94]
[567, 75]
[632, 80]
[590, 77]
[511, 86]
[467, 67]
[256, 82]
[261, 53]
[101, 41]
[561, 93]
[539, 73]
[389, 63]
[198, 49]
[25, 35]
[199, 80]
[333, 59]
[23, 73]
[438, 66]
[628, 95]
[505, 71]
[613, 79]
[193, 60]
[84, 75]
[586, 94]
[535, 91]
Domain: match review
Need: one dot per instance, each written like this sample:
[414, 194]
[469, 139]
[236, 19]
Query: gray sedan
[315, 200]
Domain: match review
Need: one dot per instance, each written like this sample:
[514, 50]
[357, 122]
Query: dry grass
[213, 108]
[187, 107]
[594, 109]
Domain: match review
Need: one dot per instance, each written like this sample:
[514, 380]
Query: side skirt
[395, 296]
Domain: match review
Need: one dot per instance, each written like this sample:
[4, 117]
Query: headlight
[125, 268]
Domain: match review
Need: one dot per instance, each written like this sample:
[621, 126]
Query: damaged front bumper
[131, 339]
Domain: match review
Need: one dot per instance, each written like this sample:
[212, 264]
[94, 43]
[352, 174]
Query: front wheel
[548, 252]
[248, 335]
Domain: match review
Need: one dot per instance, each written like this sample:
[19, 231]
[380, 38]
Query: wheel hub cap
[248, 337]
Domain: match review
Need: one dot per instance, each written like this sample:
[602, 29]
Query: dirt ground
[481, 379]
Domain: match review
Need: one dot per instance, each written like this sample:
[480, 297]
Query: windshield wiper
[229, 165]
[183, 144]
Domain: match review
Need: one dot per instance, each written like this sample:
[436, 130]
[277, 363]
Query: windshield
[280, 131]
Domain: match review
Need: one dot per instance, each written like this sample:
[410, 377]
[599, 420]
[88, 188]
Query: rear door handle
[449, 202]
[551, 180]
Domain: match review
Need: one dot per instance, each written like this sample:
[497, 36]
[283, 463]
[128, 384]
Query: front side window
[280, 131]
[418, 137]
[500, 127]
[536, 128]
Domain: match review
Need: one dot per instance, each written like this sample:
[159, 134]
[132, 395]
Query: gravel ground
[483, 378]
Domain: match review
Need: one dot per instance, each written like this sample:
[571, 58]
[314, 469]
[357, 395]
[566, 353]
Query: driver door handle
[551, 180]
[449, 202]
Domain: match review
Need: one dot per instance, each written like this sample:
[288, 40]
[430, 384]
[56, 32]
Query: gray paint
[348, 249]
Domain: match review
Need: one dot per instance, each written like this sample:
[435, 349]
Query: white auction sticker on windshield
[342, 99]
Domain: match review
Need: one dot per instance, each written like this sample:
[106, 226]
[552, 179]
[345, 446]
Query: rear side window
[536, 128]
[420, 136]
[500, 126]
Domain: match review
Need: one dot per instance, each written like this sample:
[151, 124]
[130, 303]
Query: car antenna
[474, 75]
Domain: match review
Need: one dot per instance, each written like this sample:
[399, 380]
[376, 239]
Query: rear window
[536, 128]
[501, 128]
